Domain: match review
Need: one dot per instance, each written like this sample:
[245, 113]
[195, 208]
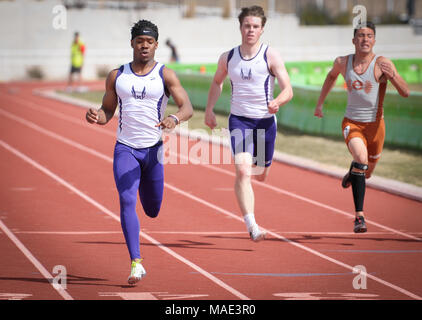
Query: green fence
[403, 116]
[313, 73]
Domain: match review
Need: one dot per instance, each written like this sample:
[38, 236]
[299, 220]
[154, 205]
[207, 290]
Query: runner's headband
[145, 32]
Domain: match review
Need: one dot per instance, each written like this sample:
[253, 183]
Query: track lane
[220, 191]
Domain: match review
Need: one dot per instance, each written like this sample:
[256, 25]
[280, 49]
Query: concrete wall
[28, 38]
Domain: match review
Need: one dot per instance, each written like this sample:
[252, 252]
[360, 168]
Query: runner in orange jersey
[366, 75]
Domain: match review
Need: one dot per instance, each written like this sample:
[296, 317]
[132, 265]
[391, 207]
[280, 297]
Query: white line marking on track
[323, 256]
[221, 210]
[313, 202]
[71, 233]
[322, 233]
[115, 217]
[34, 260]
[227, 172]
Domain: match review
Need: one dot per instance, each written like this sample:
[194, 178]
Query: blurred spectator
[174, 56]
[77, 60]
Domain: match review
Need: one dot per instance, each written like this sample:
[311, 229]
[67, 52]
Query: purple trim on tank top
[266, 61]
[142, 75]
[120, 114]
[229, 57]
[159, 107]
[119, 72]
[160, 72]
[266, 88]
[240, 54]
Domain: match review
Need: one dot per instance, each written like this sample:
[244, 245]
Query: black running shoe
[360, 226]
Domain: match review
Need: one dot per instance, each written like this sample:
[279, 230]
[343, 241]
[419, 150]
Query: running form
[366, 75]
[252, 68]
[141, 90]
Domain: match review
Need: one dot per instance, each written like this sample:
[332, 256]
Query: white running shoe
[256, 234]
[137, 271]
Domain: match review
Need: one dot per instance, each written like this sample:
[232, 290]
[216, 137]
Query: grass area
[403, 116]
[396, 163]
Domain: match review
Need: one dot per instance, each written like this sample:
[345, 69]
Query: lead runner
[141, 88]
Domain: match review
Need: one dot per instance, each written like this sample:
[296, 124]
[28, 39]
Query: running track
[59, 207]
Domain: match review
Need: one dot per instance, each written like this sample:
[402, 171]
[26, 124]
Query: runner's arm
[181, 99]
[278, 69]
[389, 70]
[215, 90]
[329, 83]
[109, 104]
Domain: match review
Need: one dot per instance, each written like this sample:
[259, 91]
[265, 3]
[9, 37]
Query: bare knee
[243, 173]
[243, 162]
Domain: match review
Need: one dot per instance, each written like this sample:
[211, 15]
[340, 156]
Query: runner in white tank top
[252, 83]
[142, 101]
[141, 89]
[366, 76]
[252, 68]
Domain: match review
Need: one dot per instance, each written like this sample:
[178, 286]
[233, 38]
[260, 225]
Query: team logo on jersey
[137, 94]
[244, 76]
[359, 85]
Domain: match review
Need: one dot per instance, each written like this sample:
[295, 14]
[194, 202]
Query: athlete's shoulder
[382, 59]
[113, 73]
[167, 72]
[226, 55]
[224, 59]
[111, 78]
[272, 53]
[341, 60]
[169, 76]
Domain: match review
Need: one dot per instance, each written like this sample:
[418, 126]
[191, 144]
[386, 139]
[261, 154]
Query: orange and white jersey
[252, 84]
[142, 102]
[365, 93]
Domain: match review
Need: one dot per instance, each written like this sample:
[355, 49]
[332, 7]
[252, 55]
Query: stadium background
[308, 33]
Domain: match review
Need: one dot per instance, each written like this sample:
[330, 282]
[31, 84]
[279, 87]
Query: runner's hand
[318, 112]
[167, 123]
[210, 119]
[388, 70]
[273, 107]
[92, 115]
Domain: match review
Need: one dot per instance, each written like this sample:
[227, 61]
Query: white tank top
[363, 99]
[252, 83]
[142, 103]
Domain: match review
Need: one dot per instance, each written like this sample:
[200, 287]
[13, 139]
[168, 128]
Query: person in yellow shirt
[77, 60]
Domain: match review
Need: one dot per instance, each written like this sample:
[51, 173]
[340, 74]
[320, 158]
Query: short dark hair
[255, 11]
[368, 24]
[141, 25]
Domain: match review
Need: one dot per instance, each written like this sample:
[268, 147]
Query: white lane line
[323, 256]
[34, 261]
[322, 233]
[214, 168]
[115, 217]
[234, 216]
[70, 233]
[53, 134]
[313, 202]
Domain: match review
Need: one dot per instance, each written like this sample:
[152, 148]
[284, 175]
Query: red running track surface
[59, 209]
